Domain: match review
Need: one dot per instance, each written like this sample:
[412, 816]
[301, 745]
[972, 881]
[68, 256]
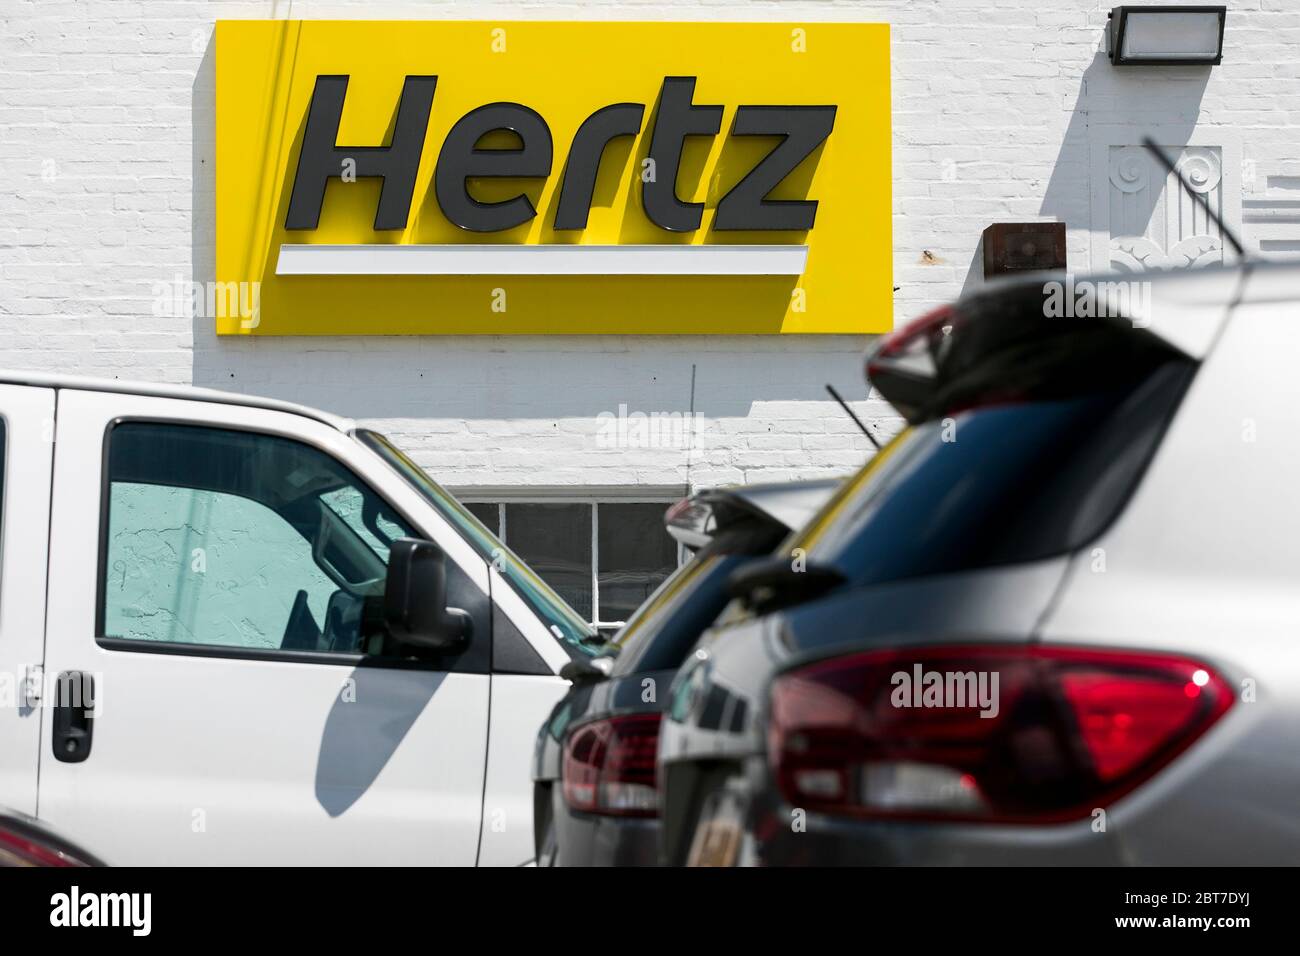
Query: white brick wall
[106, 162]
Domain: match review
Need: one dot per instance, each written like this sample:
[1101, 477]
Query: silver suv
[1055, 621]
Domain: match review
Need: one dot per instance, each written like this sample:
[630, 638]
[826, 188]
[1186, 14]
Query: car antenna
[845, 405]
[1168, 164]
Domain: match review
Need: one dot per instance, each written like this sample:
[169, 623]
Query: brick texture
[106, 114]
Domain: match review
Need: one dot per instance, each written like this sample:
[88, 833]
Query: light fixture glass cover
[1167, 35]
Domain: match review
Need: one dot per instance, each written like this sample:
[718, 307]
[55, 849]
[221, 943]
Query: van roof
[190, 393]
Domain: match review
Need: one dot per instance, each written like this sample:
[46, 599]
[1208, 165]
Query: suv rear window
[998, 483]
[665, 628]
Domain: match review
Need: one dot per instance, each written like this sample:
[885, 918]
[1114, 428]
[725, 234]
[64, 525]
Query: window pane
[238, 539]
[204, 568]
[561, 619]
[1026, 480]
[489, 514]
[555, 540]
[636, 554]
[377, 528]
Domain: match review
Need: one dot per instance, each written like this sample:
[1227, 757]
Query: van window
[239, 540]
[575, 635]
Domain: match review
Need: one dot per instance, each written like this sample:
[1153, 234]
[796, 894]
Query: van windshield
[564, 623]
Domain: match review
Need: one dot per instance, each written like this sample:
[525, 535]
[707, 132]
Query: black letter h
[320, 159]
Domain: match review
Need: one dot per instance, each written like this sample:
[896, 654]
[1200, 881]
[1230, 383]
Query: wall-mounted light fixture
[1166, 36]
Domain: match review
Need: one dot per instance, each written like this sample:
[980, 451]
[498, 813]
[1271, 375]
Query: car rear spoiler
[1047, 335]
[695, 520]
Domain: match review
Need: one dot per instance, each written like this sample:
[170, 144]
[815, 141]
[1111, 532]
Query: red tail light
[20, 849]
[609, 766]
[1026, 735]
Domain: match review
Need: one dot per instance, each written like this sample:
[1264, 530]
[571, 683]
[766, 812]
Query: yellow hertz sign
[439, 177]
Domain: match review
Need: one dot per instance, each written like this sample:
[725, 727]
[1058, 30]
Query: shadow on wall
[1111, 105]
[493, 377]
[1116, 105]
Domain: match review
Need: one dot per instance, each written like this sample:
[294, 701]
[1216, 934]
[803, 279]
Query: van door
[26, 453]
[223, 700]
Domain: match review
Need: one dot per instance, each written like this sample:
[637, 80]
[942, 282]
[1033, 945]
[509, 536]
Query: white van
[239, 631]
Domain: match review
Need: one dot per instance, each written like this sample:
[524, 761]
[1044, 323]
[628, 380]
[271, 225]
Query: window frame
[591, 499]
[224, 651]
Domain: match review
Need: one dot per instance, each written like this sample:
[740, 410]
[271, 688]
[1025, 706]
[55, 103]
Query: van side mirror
[415, 608]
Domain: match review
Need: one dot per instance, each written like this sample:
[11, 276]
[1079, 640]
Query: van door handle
[74, 715]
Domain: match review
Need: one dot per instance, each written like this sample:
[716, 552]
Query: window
[573, 632]
[555, 541]
[237, 539]
[349, 504]
[634, 555]
[1023, 481]
[603, 557]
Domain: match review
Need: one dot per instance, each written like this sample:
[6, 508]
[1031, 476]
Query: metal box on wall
[1011, 247]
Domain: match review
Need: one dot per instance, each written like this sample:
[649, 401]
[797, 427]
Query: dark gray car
[595, 798]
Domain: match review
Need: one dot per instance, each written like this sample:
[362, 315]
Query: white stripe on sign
[494, 260]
